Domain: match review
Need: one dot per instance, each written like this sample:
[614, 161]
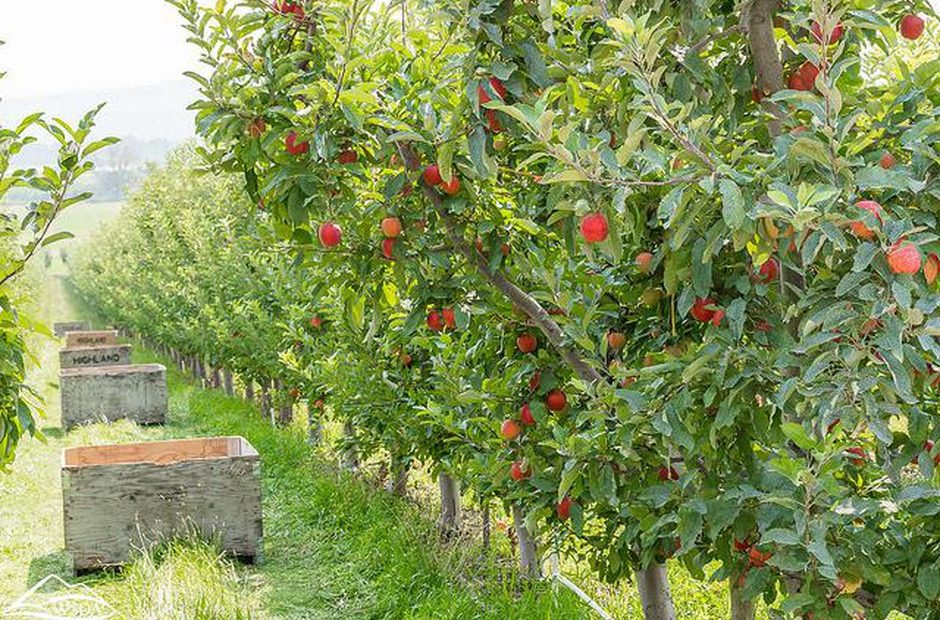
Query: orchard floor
[335, 546]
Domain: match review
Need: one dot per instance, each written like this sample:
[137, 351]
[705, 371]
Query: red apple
[434, 321]
[510, 430]
[527, 343]
[348, 156]
[330, 234]
[432, 175]
[293, 147]
[498, 87]
[319, 404]
[701, 311]
[451, 187]
[616, 340]
[535, 381]
[860, 455]
[904, 257]
[525, 415]
[556, 400]
[482, 95]
[643, 261]
[391, 227]
[388, 248]
[861, 230]
[887, 160]
[594, 227]
[668, 473]
[492, 121]
[316, 322]
[768, 272]
[742, 545]
[450, 320]
[758, 558]
[406, 359]
[564, 508]
[912, 26]
[518, 472]
[931, 268]
[717, 318]
[834, 36]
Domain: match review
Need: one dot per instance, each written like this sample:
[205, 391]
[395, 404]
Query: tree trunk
[216, 378]
[398, 482]
[349, 460]
[229, 384]
[250, 390]
[741, 608]
[314, 428]
[485, 509]
[528, 556]
[450, 506]
[265, 399]
[653, 585]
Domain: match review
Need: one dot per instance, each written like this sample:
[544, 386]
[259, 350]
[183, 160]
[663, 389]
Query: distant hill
[150, 120]
[155, 112]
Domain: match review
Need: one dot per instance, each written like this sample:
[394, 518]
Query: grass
[335, 546]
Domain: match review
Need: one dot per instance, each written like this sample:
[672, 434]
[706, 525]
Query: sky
[70, 45]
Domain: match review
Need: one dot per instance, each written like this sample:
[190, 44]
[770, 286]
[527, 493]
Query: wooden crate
[108, 393]
[89, 357]
[91, 339]
[121, 498]
[60, 329]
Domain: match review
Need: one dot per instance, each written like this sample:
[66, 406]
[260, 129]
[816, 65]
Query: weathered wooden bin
[120, 498]
[88, 357]
[109, 393]
[60, 329]
[91, 339]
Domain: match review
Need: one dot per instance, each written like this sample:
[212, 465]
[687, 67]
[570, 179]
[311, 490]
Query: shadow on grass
[55, 563]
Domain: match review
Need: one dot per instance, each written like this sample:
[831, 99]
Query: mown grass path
[334, 548]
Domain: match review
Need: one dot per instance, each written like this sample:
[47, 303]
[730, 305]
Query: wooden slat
[156, 452]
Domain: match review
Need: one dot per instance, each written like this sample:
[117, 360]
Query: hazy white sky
[65, 45]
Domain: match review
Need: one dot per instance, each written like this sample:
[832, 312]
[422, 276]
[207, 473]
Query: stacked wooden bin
[123, 497]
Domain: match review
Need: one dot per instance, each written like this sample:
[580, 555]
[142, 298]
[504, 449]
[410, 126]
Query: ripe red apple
[931, 268]
[510, 430]
[764, 326]
[887, 160]
[290, 8]
[804, 78]
[594, 227]
[498, 87]
[758, 558]
[504, 249]
[834, 36]
[451, 187]
[450, 320]
[768, 272]
[701, 311]
[861, 457]
[257, 127]
[904, 257]
[348, 156]
[293, 147]
[330, 234]
[432, 175]
[525, 415]
[928, 448]
[518, 472]
[556, 400]
[564, 508]
[861, 230]
[535, 381]
[388, 248]
[643, 261]
[319, 404]
[316, 322]
[616, 340]
[492, 121]
[912, 26]
[406, 359]
[434, 321]
[482, 95]
[527, 343]
[668, 473]
[717, 318]
[391, 227]
[742, 545]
